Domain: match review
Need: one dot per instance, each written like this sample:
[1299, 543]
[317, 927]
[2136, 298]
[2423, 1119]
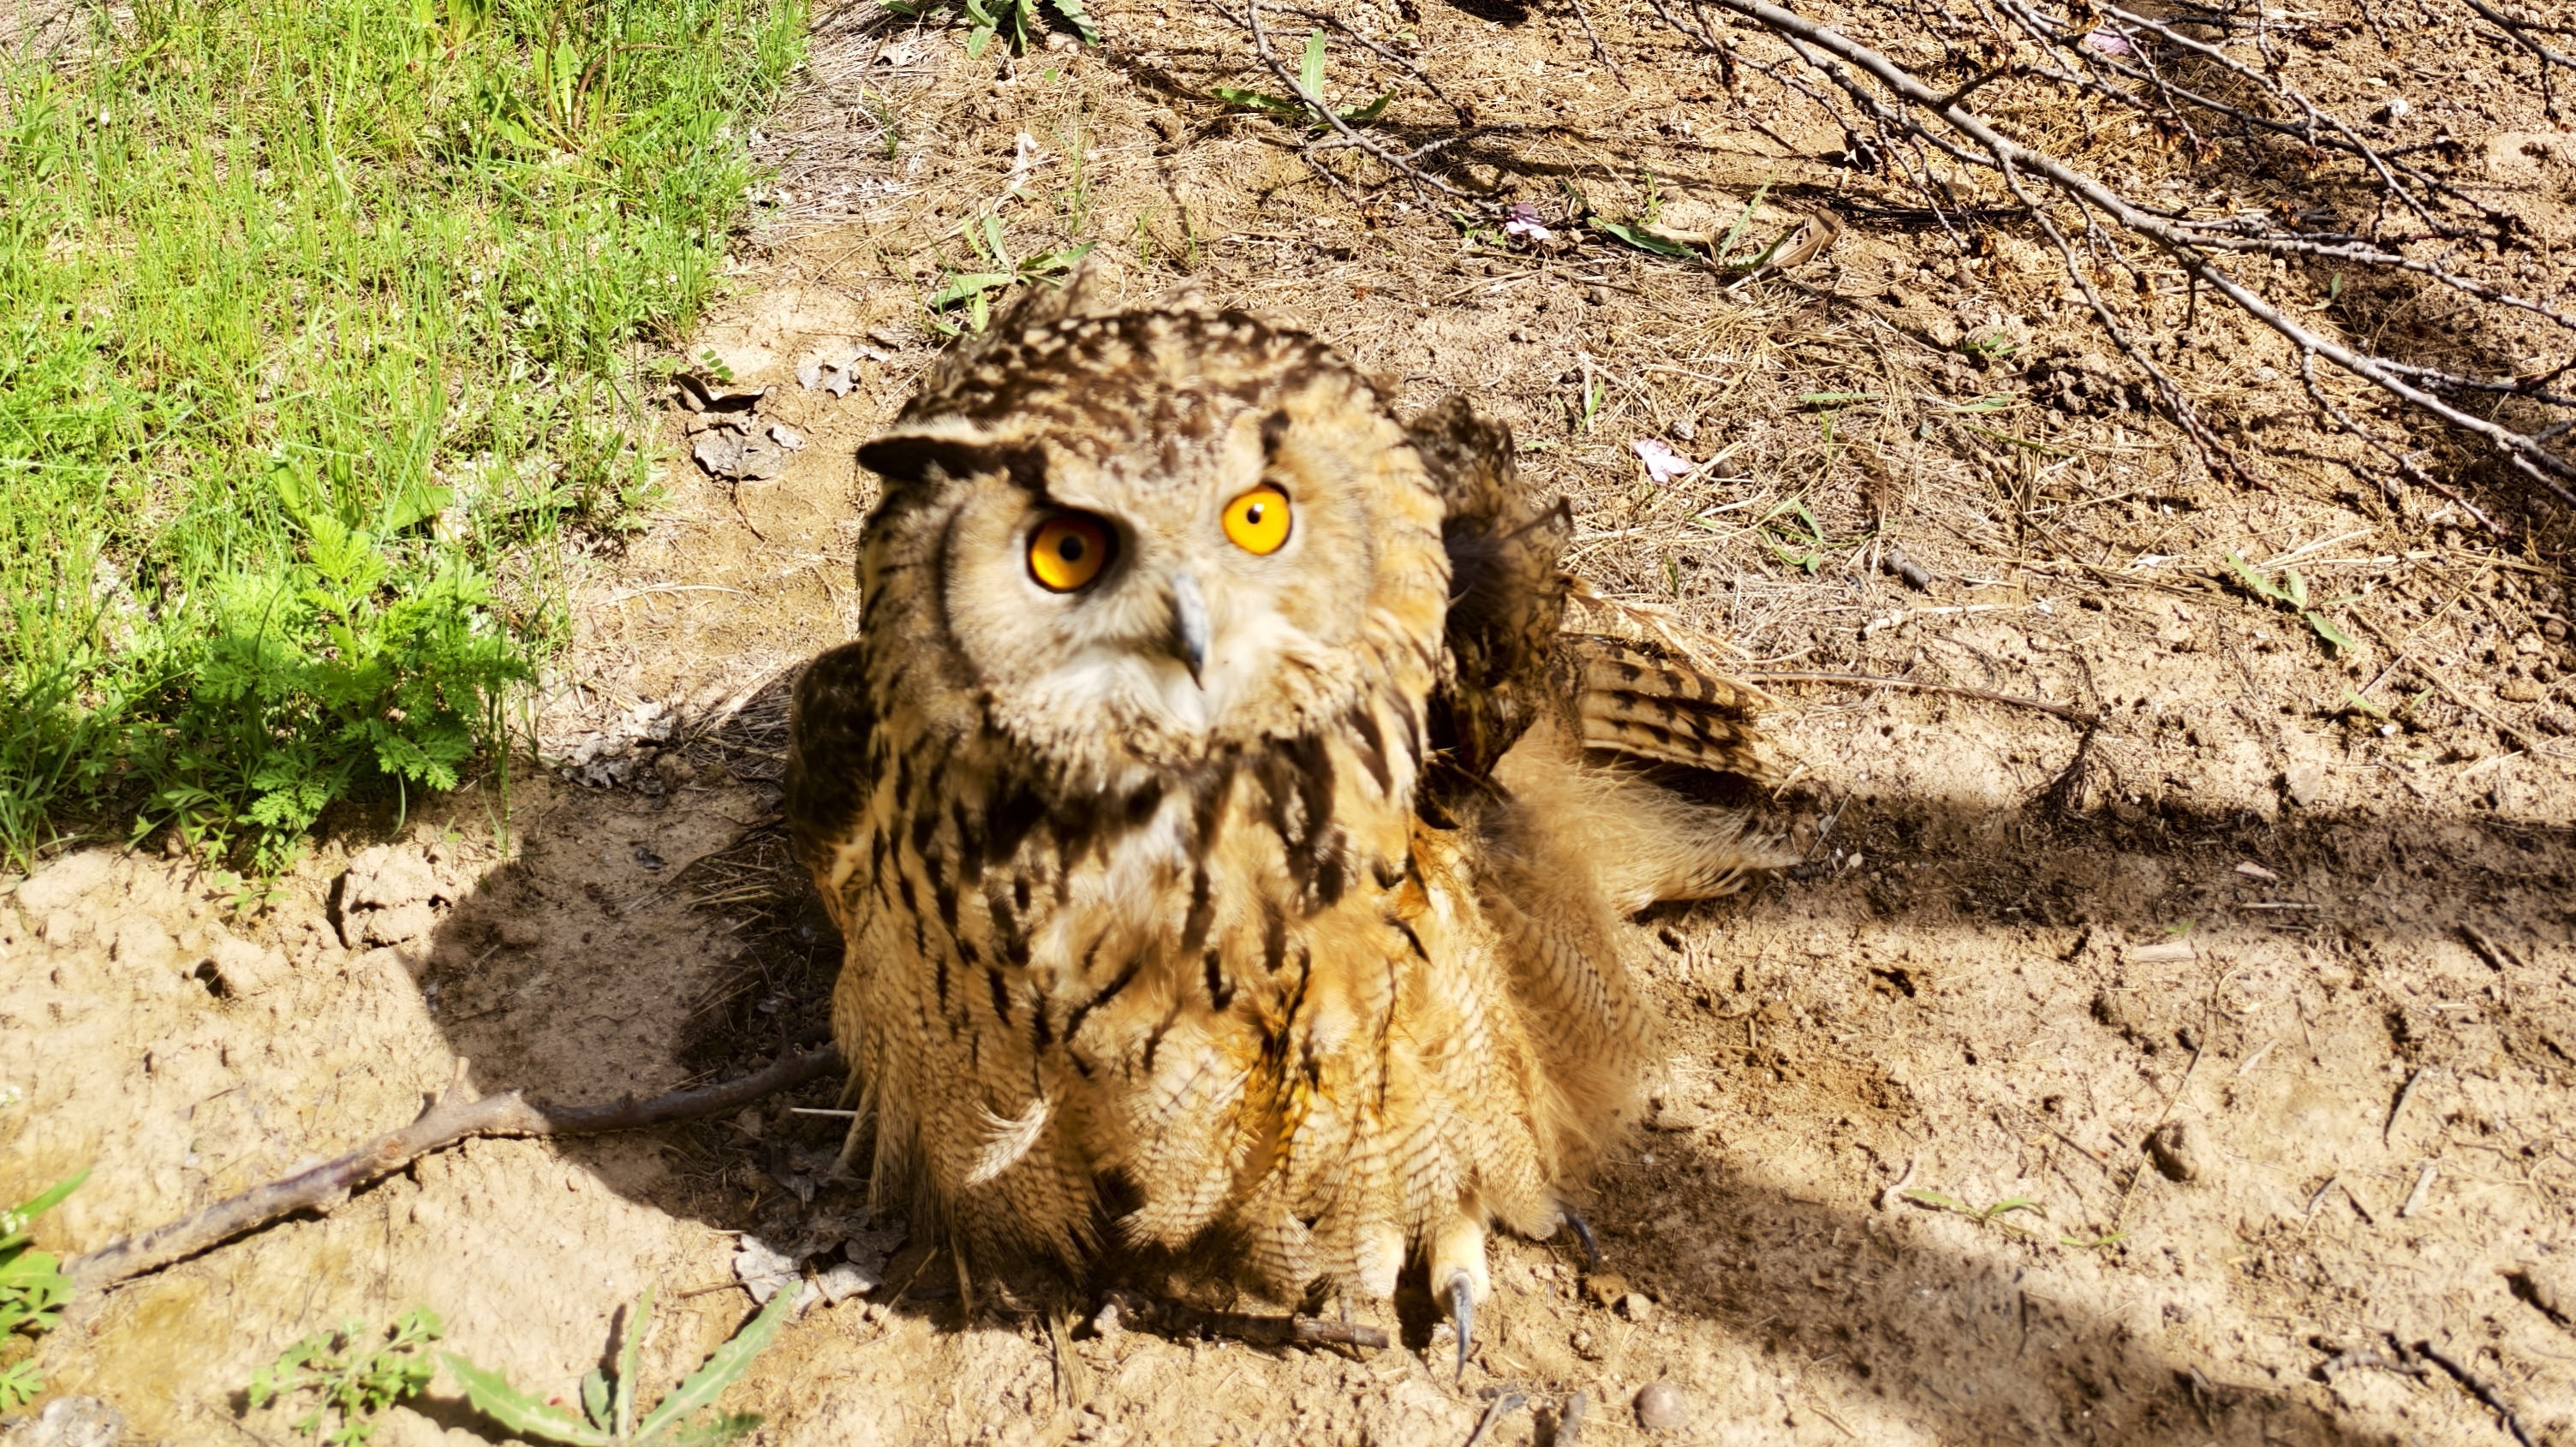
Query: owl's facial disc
[1176, 605]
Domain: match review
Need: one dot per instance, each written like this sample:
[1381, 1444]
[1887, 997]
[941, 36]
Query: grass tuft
[33, 1291]
[321, 334]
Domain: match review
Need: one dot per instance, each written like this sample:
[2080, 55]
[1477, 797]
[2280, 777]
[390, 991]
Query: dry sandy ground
[2265, 1008]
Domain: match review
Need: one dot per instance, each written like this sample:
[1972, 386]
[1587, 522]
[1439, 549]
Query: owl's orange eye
[1257, 521]
[1067, 551]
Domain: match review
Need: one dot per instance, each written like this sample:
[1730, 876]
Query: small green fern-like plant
[32, 1291]
[611, 1416]
[327, 676]
[351, 1381]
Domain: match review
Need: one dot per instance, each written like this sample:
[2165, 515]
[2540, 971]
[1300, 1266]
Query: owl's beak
[1189, 640]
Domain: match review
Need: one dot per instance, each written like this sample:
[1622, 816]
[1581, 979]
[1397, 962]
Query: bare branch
[1349, 136]
[451, 1120]
[1903, 100]
[2519, 32]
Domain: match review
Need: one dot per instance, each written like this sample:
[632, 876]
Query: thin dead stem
[2087, 57]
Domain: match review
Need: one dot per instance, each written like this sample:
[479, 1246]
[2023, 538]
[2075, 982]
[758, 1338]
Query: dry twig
[450, 1120]
[2430, 229]
[2477, 1386]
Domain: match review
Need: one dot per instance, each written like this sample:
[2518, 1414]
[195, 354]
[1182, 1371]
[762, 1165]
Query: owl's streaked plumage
[1262, 881]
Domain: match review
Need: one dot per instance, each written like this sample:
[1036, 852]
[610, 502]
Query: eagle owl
[1228, 843]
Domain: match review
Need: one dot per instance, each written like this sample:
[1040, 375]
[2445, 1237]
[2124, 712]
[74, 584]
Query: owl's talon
[1462, 1312]
[1582, 1235]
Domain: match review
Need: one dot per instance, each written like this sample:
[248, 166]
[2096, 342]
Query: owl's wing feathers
[1506, 599]
[1511, 665]
[829, 724]
[1663, 712]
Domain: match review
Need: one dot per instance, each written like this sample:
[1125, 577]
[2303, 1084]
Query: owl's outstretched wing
[1511, 664]
[1506, 600]
[1666, 715]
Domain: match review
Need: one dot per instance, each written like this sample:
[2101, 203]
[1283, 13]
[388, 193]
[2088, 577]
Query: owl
[1229, 842]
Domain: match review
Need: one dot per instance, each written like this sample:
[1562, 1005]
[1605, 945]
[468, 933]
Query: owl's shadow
[652, 935]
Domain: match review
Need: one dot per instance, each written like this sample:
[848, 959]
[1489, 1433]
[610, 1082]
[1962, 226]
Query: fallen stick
[2477, 1386]
[443, 1124]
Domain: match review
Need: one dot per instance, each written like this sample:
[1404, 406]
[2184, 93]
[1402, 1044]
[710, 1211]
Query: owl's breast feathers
[1218, 994]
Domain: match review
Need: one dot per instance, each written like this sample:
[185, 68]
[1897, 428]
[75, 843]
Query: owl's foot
[1458, 1275]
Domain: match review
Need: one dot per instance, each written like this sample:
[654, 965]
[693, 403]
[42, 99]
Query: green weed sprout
[2292, 592]
[1013, 18]
[1800, 546]
[974, 289]
[1721, 250]
[1995, 1215]
[609, 1408]
[1308, 106]
[1989, 1216]
[32, 1290]
[352, 1384]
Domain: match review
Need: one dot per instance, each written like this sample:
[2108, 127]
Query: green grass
[33, 1290]
[348, 1376]
[322, 334]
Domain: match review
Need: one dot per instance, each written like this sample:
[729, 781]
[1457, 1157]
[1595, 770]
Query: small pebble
[1661, 1407]
[1680, 1117]
[1636, 1307]
[2175, 1148]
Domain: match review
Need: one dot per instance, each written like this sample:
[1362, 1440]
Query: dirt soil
[2202, 1072]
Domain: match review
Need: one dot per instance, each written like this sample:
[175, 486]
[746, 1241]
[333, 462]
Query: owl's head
[1145, 538]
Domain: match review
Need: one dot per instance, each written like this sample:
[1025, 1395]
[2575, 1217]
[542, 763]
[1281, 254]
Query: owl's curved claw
[1582, 1235]
[1462, 1312]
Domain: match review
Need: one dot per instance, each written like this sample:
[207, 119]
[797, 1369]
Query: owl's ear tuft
[909, 458]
